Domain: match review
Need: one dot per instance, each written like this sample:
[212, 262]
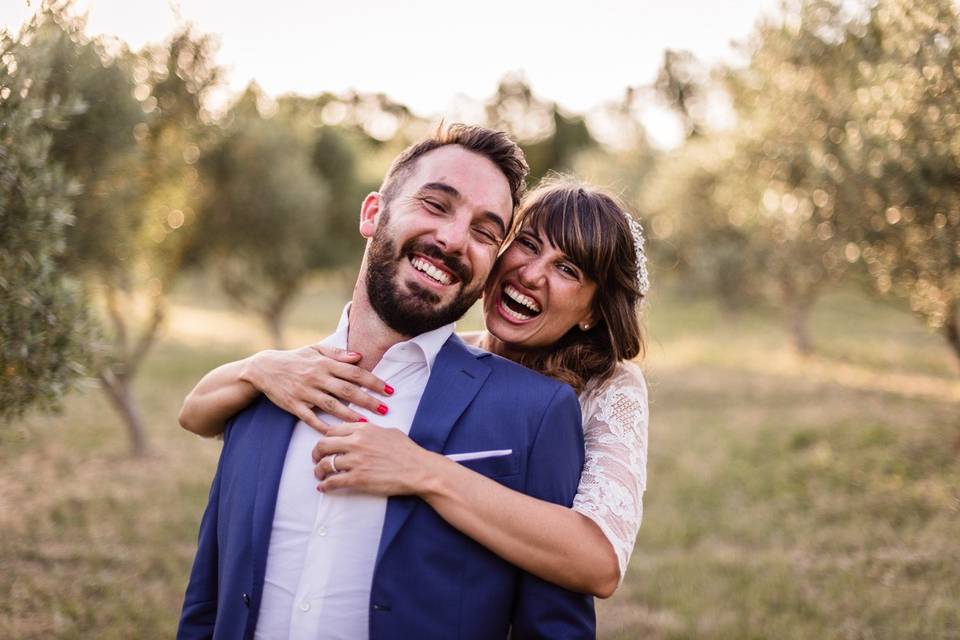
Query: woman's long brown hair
[589, 226]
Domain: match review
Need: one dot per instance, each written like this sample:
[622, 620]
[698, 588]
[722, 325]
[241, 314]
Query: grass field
[787, 498]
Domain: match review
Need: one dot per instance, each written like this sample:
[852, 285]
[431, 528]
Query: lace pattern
[615, 469]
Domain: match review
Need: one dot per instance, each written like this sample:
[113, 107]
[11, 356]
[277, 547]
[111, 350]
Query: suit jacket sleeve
[200, 601]
[542, 609]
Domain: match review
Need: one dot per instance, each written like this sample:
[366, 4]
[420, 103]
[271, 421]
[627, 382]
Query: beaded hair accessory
[643, 278]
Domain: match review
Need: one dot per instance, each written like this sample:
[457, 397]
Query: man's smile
[433, 273]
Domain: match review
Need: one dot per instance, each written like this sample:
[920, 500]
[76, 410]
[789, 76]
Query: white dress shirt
[323, 547]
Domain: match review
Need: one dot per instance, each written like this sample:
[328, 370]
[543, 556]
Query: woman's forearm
[219, 395]
[548, 540]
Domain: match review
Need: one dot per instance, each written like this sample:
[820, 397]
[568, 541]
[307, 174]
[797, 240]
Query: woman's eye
[527, 243]
[568, 270]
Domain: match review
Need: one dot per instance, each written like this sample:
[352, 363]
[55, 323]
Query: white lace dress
[615, 469]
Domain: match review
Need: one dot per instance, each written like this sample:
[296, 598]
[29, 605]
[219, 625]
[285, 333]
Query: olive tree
[43, 324]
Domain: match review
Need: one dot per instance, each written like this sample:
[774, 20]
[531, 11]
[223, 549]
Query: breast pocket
[501, 466]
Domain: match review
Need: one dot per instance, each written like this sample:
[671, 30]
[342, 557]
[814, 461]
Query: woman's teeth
[517, 305]
[515, 314]
[519, 298]
[423, 266]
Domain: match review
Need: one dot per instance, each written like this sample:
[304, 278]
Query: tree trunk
[120, 393]
[117, 383]
[275, 311]
[951, 329]
[274, 322]
[797, 304]
[800, 329]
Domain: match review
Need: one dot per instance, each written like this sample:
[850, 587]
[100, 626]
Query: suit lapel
[273, 428]
[455, 380]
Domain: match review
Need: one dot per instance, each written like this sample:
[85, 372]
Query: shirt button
[304, 606]
[321, 530]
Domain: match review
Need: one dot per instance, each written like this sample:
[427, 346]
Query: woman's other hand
[297, 380]
[373, 459]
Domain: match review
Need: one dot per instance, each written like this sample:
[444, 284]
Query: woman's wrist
[433, 476]
[249, 373]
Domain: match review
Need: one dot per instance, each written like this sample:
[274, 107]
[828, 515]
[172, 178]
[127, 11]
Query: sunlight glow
[433, 56]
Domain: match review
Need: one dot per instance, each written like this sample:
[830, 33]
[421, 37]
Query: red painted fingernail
[320, 488]
[382, 409]
[387, 389]
[361, 419]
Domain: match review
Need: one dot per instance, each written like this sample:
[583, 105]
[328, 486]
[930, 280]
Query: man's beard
[413, 313]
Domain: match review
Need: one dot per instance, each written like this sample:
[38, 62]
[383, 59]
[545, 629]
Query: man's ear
[369, 213]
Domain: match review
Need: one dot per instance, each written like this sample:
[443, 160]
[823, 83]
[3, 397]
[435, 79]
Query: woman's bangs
[574, 231]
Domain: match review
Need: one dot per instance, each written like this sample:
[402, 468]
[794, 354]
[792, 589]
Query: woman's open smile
[536, 294]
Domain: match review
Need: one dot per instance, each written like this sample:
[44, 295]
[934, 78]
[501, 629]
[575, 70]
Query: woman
[563, 300]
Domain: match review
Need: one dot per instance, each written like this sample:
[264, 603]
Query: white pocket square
[478, 455]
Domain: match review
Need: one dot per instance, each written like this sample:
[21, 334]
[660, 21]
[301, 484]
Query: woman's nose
[532, 274]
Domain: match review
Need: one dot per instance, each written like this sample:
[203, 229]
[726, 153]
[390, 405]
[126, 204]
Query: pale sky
[427, 53]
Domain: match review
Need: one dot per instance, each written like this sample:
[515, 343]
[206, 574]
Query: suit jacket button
[246, 600]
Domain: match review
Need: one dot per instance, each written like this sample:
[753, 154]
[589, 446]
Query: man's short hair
[496, 146]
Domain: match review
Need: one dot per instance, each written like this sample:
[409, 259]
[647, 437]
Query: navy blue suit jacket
[430, 581]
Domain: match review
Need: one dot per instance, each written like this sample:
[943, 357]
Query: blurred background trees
[842, 158]
[127, 144]
[838, 162]
[902, 157]
[278, 205]
[550, 139]
[42, 320]
[144, 256]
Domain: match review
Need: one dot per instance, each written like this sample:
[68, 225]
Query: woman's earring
[584, 326]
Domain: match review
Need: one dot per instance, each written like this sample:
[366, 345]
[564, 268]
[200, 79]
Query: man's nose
[453, 235]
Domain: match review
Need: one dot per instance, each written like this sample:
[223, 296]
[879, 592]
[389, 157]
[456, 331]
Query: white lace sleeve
[615, 470]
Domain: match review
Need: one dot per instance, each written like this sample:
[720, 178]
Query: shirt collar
[425, 346]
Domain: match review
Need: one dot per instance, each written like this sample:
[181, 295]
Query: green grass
[787, 498]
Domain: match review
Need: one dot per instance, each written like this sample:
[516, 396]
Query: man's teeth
[422, 265]
[519, 298]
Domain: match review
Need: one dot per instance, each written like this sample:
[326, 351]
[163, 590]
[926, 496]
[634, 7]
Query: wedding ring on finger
[333, 463]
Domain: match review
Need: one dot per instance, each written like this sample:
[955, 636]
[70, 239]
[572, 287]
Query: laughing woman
[563, 299]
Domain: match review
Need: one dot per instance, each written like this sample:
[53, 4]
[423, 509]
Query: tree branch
[147, 338]
[116, 318]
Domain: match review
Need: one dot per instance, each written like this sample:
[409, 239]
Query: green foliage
[550, 138]
[96, 146]
[682, 85]
[900, 156]
[281, 201]
[845, 152]
[43, 326]
[715, 257]
[853, 126]
[129, 148]
[773, 189]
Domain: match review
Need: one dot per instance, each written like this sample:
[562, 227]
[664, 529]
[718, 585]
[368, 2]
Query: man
[276, 559]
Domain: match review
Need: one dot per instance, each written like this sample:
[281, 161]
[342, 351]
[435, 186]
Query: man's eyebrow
[453, 193]
[497, 220]
[441, 186]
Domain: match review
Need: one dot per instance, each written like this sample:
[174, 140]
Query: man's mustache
[453, 265]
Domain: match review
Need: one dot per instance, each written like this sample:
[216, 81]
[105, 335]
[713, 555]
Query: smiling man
[277, 559]
[434, 231]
